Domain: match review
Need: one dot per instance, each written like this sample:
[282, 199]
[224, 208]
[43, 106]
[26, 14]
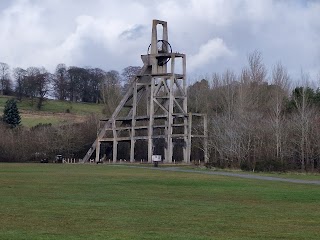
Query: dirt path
[230, 174]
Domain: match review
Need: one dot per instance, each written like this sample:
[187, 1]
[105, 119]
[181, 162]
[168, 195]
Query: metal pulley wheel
[163, 47]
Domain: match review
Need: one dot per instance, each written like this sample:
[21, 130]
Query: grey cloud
[134, 32]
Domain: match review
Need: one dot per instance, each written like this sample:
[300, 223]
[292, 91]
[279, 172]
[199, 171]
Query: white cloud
[208, 53]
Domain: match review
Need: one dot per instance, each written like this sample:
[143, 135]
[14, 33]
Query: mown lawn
[117, 202]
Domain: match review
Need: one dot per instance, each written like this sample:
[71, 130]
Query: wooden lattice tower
[155, 107]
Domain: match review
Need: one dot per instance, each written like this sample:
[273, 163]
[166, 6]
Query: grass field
[117, 202]
[53, 111]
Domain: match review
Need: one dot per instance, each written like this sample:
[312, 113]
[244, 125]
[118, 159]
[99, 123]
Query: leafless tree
[198, 95]
[60, 82]
[5, 81]
[43, 81]
[19, 75]
[36, 84]
[29, 83]
[128, 74]
[257, 70]
[278, 94]
[303, 120]
[111, 91]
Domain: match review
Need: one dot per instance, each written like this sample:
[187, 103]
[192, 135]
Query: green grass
[117, 202]
[56, 106]
[30, 116]
[31, 122]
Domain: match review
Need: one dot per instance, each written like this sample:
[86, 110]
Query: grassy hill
[53, 111]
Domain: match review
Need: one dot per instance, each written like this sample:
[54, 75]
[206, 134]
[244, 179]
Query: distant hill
[53, 111]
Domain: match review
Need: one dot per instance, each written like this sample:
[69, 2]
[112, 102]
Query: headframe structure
[154, 108]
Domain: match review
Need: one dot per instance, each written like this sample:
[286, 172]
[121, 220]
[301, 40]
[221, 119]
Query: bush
[270, 166]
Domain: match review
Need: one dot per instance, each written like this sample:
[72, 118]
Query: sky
[214, 34]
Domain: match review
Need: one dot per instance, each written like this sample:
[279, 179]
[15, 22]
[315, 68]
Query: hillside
[53, 111]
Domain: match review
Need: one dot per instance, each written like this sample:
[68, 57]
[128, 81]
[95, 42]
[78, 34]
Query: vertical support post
[189, 137]
[150, 127]
[170, 121]
[98, 143]
[154, 37]
[187, 120]
[148, 99]
[133, 123]
[114, 151]
[205, 139]
[98, 151]
[115, 141]
[165, 31]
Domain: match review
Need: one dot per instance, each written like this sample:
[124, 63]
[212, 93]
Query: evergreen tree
[11, 113]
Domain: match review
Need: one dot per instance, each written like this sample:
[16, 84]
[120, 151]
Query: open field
[118, 202]
[53, 111]
[33, 118]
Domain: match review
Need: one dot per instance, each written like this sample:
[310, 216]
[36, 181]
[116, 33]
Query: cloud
[133, 33]
[208, 53]
[215, 34]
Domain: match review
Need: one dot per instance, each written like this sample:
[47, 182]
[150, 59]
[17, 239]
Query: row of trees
[257, 119]
[66, 83]
[45, 141]
[258, 122]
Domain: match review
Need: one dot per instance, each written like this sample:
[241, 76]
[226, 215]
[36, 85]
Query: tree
[36, 84]
[19, 75]
[111, 91]
[198, 94]
[305, 124]
[257, 69]
[96, 79]
[29, 83]
[42, 84]
[5, 81]
[278, 94]
[11, 113]
[128, 74]
[60, 82]
[77, 83]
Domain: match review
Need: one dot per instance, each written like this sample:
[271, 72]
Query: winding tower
[154, 108]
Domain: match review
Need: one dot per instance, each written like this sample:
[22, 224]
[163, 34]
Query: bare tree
[302, 97]
[111, 91]
[96, 79]
[19, 75]
[198, 95]
[60, 82]
[43, 81]
[257, 69]
[29, 83]
[36, 84]
[279, 93]
[128, 74]
[5, 81]
[229, 92]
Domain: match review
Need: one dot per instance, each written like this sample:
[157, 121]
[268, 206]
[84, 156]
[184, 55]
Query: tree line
[76, 84]
[257, 119]
[260, 121]
[36, 84]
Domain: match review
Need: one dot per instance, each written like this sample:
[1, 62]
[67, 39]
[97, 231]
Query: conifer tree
[11, 114]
